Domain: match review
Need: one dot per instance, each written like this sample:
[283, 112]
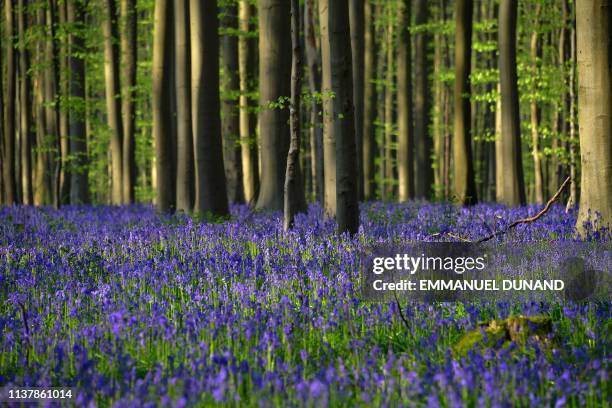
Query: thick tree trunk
[369, 107]
[405, 155]
[211, 193]
[292, 200]
[248, 121]
[25, 111]
[510, 163]
[534, 117]
[422, 104]
[594, 51]
[113, 100]
[185, 143]
[230, 119]
[8, 162]
[465, 188]
[130, 54]
[339, 118]
[274, 82]
[356, 15]
[162, 79]
[79, 189]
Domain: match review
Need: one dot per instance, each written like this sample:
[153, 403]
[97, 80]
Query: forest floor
[130, 307]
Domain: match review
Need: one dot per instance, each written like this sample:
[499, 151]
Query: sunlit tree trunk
[211, 193]
[64, 78]
[465, 188]
[594, 48]
[51, 104]
[162, 78]
[534, 117]
[405, 156]
[130, 54]
[25, 109]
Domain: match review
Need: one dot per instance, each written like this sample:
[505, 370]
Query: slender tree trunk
[369, 100]
[25, 113]
[211, 193]
[594, 51]
[510, 167]
[130, 55]
[248, 136]
[8, 162]
[356, 15]
[163, 60]
[534, 116]
[314, 85]
[64, 79]
[339, 118]
[79, 190]
[274, 82]
[422, 104]
[573, 198]
[51, 102]
[182, 62]
[465, 188]
[405, 156]
[388, 127]
[230, 122]
[293, 203]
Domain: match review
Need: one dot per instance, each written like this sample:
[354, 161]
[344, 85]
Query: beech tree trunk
[369, 101]
[248, 121]
[339, 118]
[534, 117]
[356, 16]
[79, 189]
[25, 111]
[230, 119]
[64, 79]
[274, 83]
[163, 59]
[594, 54]
[130, 54]
[211, 193]
[465, 187]
[405, 155]
[8, 162]
[113, 100]
[509, 165]
[389, 160]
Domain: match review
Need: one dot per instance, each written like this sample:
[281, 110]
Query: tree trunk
[79, 189]
[211, 193]
[10, 188]
[314, 86]
[534, 117]
[405, 157]
[182, 61]
[510, 166]
[339, 118]
[465, 188]
[388, 143]
[573, 198]
[594, 50]
[130, 54]
[162, 79]
[369, 101]
[113, 100]
[230, 122]
[248, 123]
[274, 83]
[293, 184]
[422, 104]
[25, 112]
[356, 16]
[64, 78]
[51, 102]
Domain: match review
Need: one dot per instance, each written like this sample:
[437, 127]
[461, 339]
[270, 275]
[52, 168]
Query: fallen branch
[527, 220]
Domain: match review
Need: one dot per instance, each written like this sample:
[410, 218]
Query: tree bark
[534, 117]
[389, 160]
[465, 188]
[163, 60]
[248, 123]
[25, 112]
[113, 99]
[130, 55]
[230, 119]
[211, 193]
[356, 17]
[339, 118]
[405, 155]
[274, 82]
[594, 52]
[51, 102]
[510, 167]
[293, 184]
[64, 79]
[79, 189]
[8, 162]
[422, 105]
[369, 101]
